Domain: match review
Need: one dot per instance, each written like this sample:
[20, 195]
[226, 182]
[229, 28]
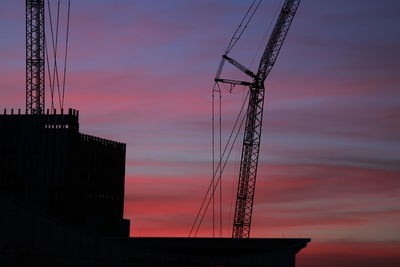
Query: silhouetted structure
[255, 111]
[35, 56]
[35, 240]
[51, 167]
[61, 204]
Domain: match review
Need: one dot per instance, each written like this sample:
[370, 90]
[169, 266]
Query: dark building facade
[47, 164]
[61, 204]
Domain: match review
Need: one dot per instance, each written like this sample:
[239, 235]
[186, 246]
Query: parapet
[71, 112]
[105, 142]
[49, 120]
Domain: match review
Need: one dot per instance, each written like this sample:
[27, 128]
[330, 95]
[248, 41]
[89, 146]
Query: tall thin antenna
[35, 57]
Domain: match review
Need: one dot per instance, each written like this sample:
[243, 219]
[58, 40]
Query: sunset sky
[141, 72]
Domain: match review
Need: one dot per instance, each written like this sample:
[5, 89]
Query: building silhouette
[47, 163]
[61, 204]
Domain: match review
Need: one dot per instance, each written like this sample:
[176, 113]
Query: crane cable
[214, 183]
[222, 168]
[55, 69]
[213, 156]
[55, 80]
[202, 209]
[66, 54]
[51, 81]
[235, 38]
[240, 29]
[269, 29]
[235, 171]
[219, 181]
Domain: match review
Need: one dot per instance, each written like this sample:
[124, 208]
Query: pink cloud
[284, 201]
[348, 254]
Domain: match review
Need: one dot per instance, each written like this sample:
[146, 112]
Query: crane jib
[254, 118]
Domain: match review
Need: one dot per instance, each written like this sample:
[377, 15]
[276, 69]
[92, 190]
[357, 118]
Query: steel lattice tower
[35, 57]
[252, 136]
[254, 118]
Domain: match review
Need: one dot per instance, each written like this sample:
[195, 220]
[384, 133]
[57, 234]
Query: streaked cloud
[329, 166]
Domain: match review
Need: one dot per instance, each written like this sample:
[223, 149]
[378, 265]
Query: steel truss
[254, 118]
[35, 57]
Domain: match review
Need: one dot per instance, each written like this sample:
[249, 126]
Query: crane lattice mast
[254, 118]
[35, 57]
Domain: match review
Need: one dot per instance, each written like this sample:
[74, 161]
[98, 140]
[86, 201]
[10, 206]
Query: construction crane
[35, 57]
[254, 118]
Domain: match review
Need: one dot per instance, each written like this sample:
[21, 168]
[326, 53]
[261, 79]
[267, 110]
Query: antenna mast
[35, 57]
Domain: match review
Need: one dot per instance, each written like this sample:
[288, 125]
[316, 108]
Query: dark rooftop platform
[272, 252]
